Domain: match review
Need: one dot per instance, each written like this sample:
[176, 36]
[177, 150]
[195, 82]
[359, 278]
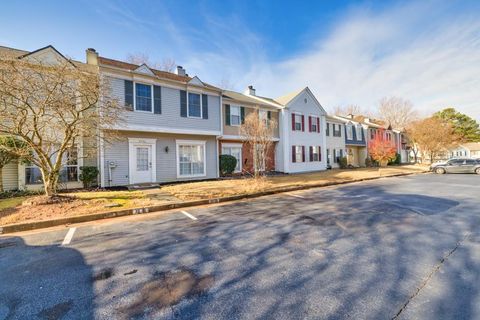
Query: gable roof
[159, 73]
[20, 54]
[289, 97]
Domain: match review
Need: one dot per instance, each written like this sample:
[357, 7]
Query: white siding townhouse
[170, 128]
[335, 136]
[302, 136]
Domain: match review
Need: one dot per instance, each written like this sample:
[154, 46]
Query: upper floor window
[143, 97]
[194, 105]
[263, 116]
[349, 132]
[373, 133]
[298, 122]
[235, 115]
[314, 123]
[337, 132]
[388, 136]
[359, 133]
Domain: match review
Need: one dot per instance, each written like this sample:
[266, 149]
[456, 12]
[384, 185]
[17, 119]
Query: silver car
[457, 166]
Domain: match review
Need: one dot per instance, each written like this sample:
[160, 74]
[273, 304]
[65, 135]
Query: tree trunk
[50, 183]
[1, 178]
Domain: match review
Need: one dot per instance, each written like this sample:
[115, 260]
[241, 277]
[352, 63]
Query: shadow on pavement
[43, 282]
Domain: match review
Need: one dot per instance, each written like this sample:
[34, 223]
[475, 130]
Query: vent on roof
[180, 71]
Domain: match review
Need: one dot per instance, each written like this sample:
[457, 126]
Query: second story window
[263, 116]
[359, 133]
[143, 97]
[194, 105]
[235, 115]
[298, 122]
[337, 130]
[349, 132]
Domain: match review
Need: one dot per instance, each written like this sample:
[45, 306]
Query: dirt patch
[44, 200]
[58, 311]
[103, 274]
[167, 289]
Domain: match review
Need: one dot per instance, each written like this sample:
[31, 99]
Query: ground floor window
[298, 153]
[259, 152]
[235, 151]
[315, 153]
[191, 159]
[68, 171]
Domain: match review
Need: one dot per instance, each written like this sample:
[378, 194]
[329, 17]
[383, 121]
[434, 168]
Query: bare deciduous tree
[397, 112]
[259, 134]
[348, 109]
[53, 107]
[167, 64]
[430, 137]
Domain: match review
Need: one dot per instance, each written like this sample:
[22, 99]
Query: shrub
[396, 160]
[88, 176]
[369, 162]
[342, 162]
[227, 164]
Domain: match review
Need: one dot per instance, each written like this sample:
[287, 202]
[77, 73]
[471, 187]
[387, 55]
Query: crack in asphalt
[430, 275]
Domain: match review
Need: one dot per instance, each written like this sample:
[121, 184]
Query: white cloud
[416, 51]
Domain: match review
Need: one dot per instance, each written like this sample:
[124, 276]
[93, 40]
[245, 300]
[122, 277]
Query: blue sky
[346, 52]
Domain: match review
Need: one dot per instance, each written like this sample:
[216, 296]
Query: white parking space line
[188, 215]
[295, 195]
[68, 236]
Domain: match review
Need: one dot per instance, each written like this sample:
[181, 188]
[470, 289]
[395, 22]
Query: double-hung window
[337, 133]
[143, 97]
[315, 153]
[194, 105]
[313, 125]
[235, 151]
[68, 171]
[359, 133]
[298, 122]
[191, 158]
[263, 116]
[349, 132]
[235, 115]
[298, 154]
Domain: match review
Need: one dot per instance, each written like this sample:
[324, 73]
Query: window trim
[135, 97]
[349, 130]
[314, 123]
[201, 105]
[359, 132]
[316, 151]
[296, 154]
[235, 145]
[179, 143]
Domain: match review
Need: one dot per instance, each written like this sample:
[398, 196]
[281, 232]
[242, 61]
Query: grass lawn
[13, 211]
[222, 188]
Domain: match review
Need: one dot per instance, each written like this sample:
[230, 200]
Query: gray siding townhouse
[170, 125]
[355, 141]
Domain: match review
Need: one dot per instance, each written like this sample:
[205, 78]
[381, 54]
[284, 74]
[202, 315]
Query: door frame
[134, 142]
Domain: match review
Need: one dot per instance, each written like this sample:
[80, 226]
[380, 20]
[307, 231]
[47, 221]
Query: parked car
[457, 166]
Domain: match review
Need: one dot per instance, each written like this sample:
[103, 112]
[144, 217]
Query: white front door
[142, 172]
[142, 160]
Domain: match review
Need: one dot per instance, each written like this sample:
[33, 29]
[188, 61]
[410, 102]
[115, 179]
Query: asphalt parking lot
[396, 248]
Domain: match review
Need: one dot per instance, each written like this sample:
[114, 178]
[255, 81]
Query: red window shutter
[303, 153]
[303, 122]
[293, 122]
[318, 125]
[293, 154]
[310, 151]
[309, 124]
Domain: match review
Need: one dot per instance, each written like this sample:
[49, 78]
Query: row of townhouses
[176, 126]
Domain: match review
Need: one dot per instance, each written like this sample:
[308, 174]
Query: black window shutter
[227, 114]
[157, 99]
[310, 151]
[183, 103]
[129, 95]
[204, 106]
[269, 115]
[242, 114]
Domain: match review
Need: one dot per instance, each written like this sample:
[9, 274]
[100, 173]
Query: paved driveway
[406, 248]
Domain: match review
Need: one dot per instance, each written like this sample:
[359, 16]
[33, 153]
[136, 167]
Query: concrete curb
[129, 212]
